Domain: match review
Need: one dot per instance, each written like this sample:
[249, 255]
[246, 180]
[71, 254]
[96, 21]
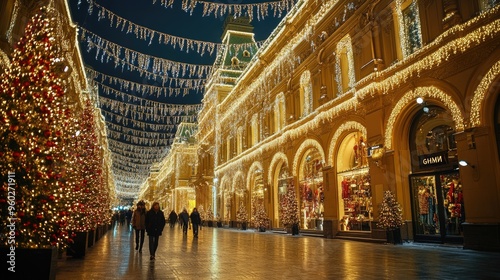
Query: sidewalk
[221, 253]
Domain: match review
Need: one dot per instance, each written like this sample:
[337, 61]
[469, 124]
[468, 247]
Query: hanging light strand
[159, 66]
[163, 90]
[145, 33]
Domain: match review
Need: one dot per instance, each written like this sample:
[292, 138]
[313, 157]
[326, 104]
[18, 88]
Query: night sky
[173, 21]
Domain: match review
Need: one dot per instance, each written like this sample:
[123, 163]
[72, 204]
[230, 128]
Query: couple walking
[184, 218]
[152, 222]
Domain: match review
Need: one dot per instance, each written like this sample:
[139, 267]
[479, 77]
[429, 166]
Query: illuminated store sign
[433, 159]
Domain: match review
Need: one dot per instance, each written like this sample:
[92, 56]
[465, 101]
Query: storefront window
[311, 190]
[355, 191]
[436, 189]
[257, 193]
[283, 180]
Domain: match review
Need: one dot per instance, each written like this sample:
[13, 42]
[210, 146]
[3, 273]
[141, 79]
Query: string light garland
[164, 90]
[141, 60]
[345, 127]
[279, 157]
[410, 97]
[480, 94]
[344, 47]
[306, 145]
[220, 9]
[144, 33]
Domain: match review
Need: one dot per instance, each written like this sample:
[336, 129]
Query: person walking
[155, 222]
[139, 224]
[172, 218]
[184, 218]
[195, 221]
[128, 216]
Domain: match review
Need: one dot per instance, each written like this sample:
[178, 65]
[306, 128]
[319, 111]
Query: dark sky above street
[154, 16]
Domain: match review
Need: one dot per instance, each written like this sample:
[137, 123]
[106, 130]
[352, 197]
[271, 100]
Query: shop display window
[283, 180]
[438, 207]
[356, 210]
[311, 191]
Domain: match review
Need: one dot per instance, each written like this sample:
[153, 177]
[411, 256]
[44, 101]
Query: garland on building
[34, 119]
[288, 208]
[390, 212]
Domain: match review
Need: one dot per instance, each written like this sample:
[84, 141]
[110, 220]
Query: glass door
[425, 205]
[437, 207]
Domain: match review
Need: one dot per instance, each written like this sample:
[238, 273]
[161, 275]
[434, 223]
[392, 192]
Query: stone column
[480, 188]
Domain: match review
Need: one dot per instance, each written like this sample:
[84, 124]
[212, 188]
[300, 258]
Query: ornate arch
[480, 94]
[350, 125]
[222, 186]
[308, 143]
[255, 166]
[409, 97]
[238, 176]
[277, 158]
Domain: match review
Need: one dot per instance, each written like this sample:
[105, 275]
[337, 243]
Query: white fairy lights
[480, 93]
[345, 127]
[409, 97]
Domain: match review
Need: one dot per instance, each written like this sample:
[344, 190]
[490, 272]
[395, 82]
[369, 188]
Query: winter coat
[139, 220]
[155, 222]
[172, 217]
[184, 217]
[195, 218]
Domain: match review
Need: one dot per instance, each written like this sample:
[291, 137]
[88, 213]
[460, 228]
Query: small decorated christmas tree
[241, 215]
[289, 214]
[210, 216]
[260, 219]
[391, 217]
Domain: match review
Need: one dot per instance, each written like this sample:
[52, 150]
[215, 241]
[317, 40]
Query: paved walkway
[234, 254]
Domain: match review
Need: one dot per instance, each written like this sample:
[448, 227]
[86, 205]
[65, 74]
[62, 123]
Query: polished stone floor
[221, 253]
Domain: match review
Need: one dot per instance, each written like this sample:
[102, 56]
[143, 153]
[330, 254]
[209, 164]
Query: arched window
[305, 94]
[255, 129]
[409, 26]
[239, 140]
[344, 67]
[279, 112]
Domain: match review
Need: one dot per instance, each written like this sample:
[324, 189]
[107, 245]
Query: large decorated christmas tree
[289, 209]
[33, 125]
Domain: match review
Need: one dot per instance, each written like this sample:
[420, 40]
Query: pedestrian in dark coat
[139, 224]
[184, 218]
[155, 222]
[172, 218]
[195, 221]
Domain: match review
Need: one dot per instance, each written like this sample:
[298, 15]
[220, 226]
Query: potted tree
[391, 218]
